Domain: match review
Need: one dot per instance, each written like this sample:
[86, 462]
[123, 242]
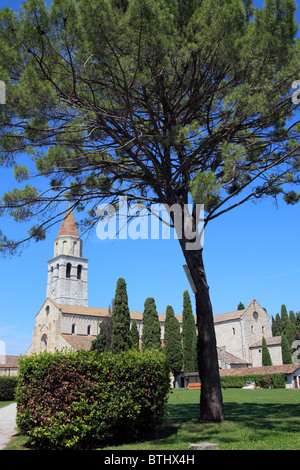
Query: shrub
[7, 388]
[276, 380]
[79, 400]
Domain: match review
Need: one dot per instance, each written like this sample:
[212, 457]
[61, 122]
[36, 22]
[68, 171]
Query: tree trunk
[211, 401]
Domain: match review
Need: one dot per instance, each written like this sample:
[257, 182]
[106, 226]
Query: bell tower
[67, 271]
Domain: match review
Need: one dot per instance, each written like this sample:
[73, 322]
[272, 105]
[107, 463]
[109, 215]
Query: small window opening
[68, 270]
[79, 271]
[73, 328]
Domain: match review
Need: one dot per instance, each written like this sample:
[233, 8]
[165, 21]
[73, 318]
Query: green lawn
[255, 420]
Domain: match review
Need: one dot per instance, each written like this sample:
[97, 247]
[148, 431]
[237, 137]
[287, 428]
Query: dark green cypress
[189, 336]
[276, 325]
[151, 327]
[266, 357]
[134, 335]
[286, 350]
[172, 342]
[121, 340]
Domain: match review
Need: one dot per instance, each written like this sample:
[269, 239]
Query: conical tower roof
[68, 226]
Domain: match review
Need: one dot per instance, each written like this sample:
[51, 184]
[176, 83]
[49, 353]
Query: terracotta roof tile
[103, 312]
[228, 316]
[9, 362]
[79, 341]
[271, 341]
[285, 368]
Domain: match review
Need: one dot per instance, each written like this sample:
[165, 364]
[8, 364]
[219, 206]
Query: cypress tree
[134, 335]
[151, 327]
[286, 350]
[172, 340]
[266, 357]
[189, 336]
[102, 342]
[287, 327]
[241, 306]
[121, 340]
[276, 325]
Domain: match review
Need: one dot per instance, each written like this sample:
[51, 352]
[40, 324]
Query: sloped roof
[79, 341]
[103, 312]
[9, 362]
[230, 358]
[271, 341]
[68, 226]
[228, 316]
[285, 368]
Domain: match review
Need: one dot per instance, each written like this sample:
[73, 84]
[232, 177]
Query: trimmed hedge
[7, 388]
[276, 380]
[80, 400]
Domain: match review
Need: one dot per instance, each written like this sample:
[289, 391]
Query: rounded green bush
[81, 399]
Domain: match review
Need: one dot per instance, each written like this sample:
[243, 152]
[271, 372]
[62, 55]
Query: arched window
[44, 342]
[68, 270]
[263, 330]
[79, 271]
[233, 331]
[47, 310]
[89, 329]
[73, 328]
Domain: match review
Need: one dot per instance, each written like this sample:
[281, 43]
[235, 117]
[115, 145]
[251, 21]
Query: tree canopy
[169, 102]
[157, 101]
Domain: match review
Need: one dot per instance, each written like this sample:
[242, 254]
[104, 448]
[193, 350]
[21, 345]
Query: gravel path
[7, 424]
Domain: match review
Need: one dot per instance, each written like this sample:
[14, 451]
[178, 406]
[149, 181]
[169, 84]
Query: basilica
[65, 321]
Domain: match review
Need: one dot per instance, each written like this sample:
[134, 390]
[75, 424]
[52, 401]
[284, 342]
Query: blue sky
[250, 252]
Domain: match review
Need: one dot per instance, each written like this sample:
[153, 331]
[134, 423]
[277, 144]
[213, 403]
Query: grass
[5, 403]
[255, 420]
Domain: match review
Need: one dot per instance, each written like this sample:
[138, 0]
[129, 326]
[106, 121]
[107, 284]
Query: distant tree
[292, 317]
[287, 327]
[134, 335]
[151, 327]
[121, 319]
[266, 357]
[284, 317]
[276, 325]
[297, 325]
[98, 344]
[102, 342]
[286, 350]
[189, 335]
[241, 306]
[172, 343]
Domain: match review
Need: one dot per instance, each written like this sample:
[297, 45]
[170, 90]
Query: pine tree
[266, 357]
[151, 327]
[241, 306]
[121, 319]
[189, 336]
[172, 342]
[134, 335]
[286, 350]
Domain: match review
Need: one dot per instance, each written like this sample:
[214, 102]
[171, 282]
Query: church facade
[65, 321]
